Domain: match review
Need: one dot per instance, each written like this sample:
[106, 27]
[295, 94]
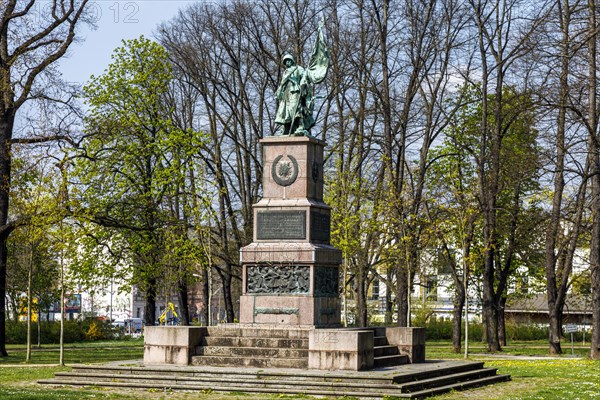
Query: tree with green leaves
[127, 167]
[459, 218]
[454, 214]
[34, 35]
[33, 266]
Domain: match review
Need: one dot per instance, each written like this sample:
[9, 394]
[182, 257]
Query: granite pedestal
[290, 270]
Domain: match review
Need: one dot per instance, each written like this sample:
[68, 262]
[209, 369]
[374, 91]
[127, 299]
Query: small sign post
[571, 328]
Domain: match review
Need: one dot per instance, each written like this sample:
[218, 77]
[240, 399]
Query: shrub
[516, 331]
[94, 332]
[441, 329]
[437, 329]
[74, 331]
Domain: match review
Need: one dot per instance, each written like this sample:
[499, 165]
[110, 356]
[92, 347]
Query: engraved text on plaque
[281, 225]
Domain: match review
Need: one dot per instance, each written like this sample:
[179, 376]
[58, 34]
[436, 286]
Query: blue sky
[115, 20]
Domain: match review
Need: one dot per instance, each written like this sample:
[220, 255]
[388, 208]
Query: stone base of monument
[275, 359]
[281, 346]
[406, 381]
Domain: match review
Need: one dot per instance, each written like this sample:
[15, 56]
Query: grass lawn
[77, 353]
[563, 378]
[441, 349]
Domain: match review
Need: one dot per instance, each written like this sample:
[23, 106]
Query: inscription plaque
[320, 226]
[281, 225]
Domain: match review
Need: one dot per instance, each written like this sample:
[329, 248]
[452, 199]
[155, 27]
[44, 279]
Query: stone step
[214, 387]
[269, 387]
[256, 362]
[260, 332]
[449, 379]
[215, 374]
[246, 382]
[436, 377]
[380, 341]
[255, 342]
[490, 380]
[380, 351]
[412, 373]
[166, 380]
[390, 361]
[251, 352]
[435, 372]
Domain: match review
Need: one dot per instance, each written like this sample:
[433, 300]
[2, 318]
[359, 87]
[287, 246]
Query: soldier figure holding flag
[295, 93]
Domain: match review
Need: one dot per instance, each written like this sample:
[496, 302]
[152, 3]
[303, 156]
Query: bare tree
[33, 36]
[594, 157]
[503, 35]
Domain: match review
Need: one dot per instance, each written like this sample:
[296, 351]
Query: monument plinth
[290, 270]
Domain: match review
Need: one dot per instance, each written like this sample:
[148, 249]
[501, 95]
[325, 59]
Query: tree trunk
[595, 352]
[555, 310]
[595, 256]
[555, 330]
[29, 304]
[184, 307]
[501, 322]
[389, 305]
[402, 297]
[6, 127]
[459, 302]
[488, 311]
[226, 280]
[205, 296]
[150, 305]
[595, 178]
[3, 256]
[362, 319]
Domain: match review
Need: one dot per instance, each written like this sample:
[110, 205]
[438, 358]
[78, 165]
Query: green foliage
[36, 200]
[460, 165]
[94, 332]
[74, 331]
[422, 313]
[131, 166]
[441, 329]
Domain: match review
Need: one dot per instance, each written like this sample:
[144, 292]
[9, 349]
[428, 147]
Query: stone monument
[290, 307]
[290, 270]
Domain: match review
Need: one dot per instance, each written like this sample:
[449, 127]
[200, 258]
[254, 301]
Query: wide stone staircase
[253, 347]
[408, 381]
[275, 348]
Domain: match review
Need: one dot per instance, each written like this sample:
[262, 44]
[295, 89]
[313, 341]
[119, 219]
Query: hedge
[74, 331]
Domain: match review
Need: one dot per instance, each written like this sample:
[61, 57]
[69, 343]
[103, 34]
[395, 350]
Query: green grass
[548, 379]
[41, 394]
[77, 353]
[443, 349]
[100, 343]
[11, 375]
[540, 379]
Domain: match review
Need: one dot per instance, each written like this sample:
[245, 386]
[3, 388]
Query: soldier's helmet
[288, 57]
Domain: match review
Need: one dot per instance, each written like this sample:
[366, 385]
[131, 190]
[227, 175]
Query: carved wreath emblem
[284, 170]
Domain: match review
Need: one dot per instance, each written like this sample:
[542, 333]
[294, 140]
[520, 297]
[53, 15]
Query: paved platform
[384, 372]
[407, 381]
